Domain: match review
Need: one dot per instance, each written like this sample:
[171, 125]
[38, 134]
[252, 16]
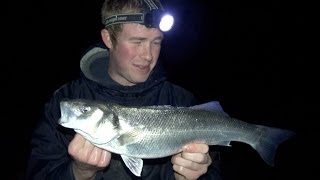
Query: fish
[149, 132]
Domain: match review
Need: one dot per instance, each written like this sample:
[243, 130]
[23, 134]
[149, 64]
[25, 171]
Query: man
[124, 70]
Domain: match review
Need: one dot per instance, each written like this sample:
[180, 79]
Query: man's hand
[88, 159]
[192, 162]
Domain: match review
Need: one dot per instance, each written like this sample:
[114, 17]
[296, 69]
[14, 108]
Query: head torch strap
[124, 18]
[149, 17]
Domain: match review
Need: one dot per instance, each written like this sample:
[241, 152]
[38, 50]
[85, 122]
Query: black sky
[249, 55]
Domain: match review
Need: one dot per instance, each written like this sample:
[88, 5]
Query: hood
[94, 66]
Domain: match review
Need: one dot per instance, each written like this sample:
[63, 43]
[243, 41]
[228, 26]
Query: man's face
[135, 55]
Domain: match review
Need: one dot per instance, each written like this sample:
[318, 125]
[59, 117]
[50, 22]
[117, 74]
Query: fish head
[90, 119]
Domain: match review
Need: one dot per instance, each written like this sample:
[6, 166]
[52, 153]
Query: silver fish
[146, 132]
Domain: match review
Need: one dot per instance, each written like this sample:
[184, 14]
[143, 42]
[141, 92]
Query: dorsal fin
[211, 106]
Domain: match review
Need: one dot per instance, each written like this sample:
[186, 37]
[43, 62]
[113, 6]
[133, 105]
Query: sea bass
[146, 132]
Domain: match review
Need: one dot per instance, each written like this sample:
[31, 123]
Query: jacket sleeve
[49, 157]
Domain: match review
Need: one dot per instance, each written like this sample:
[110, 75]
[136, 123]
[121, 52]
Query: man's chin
[139, 80]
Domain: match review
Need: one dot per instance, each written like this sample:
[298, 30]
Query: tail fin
[269, 142]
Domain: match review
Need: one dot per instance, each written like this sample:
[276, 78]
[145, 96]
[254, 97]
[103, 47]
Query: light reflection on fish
[146, 132]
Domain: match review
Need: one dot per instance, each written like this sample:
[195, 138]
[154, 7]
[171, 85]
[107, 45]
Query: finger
[188, 173]
[180, 161]
[80, 149]
[196, 148]
[99, 157]
[94, 156]
[76, 144]
[196, 157]
[87, 150]
[105, 159]
[179, 176]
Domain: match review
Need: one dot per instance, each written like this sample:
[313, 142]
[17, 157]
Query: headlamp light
[151, 18]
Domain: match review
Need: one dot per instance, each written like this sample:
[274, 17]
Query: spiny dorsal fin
[210, 106]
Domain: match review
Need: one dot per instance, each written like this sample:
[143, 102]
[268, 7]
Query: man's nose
[146, 52]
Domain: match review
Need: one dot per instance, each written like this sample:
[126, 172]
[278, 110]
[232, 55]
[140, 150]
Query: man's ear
[106, 38]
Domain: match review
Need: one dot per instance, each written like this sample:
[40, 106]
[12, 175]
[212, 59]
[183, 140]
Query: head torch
[151, 17]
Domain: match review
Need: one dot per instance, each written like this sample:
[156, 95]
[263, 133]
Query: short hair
[113, 7]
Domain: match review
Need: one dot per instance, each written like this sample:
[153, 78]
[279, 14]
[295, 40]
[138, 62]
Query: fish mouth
[66, 112]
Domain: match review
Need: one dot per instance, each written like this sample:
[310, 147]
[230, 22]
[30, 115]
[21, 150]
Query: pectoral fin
[132, 136]
[134, 164]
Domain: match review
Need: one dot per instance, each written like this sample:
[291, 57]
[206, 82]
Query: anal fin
[134, 164]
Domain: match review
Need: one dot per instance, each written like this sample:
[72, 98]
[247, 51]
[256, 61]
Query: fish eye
[84, 109]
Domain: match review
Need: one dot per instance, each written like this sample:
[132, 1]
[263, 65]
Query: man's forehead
[135, 29]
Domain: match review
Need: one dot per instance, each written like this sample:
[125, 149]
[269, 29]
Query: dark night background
[250, 55]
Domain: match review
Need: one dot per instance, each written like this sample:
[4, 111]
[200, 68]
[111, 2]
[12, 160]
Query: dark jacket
[49, 158]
